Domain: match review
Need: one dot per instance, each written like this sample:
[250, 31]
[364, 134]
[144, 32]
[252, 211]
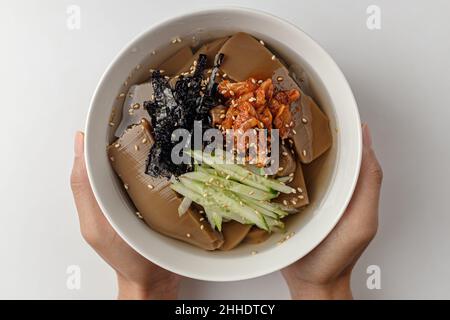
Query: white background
[400, 76]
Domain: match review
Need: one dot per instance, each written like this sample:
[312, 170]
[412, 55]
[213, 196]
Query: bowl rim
[275, 265]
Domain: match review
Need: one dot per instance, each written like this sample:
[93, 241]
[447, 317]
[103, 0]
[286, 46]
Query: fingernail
[367, 138]
[79, 144]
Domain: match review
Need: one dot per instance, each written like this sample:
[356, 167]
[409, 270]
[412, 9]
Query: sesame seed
[252, 99]
[254, 252]
[262, 42]
[117, 145]
[291, 174]
[150, 186]
[153, 52]
[273, 57]
[202, 227]
[222, 116]
[286, 125]
[293, 131]
[304, 120]
[284, 153]
[293, 201]
[112, 159]
[125, 186]
[121, 95]
[251, 193]
[304, 152]
[139, 215]
[224, 75]
[136, 106]
[279, 78]
[144, 140]
[162, 71]
[253, 81]
[285, 202]
[231, 93]
[300, 190]
[227, 177]
[138, 67]
[260, 81]
[136, 147]
[201, 219]
[301, 197]
[280, 169]
[188, 235]
[111, 124]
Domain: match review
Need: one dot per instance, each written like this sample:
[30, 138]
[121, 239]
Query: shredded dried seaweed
[191, 99]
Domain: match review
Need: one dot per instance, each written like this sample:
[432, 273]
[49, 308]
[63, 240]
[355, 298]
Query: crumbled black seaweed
[190, 100]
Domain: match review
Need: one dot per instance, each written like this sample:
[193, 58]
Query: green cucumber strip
[241, 174]
[284, 179]
[191, 194]
[225, 199]
[268, 206]
[256, 170]
[231, 185]
[274, 223]
[284, 208]
[184, 206]
[264, 211]
[214, 218]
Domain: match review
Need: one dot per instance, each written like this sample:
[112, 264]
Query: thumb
[362, 212]
[87, 207]
[79, 179]
[367, 191]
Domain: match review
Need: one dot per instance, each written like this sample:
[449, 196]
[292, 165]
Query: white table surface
[400, 76]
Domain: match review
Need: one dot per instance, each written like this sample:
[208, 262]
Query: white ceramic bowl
[338, 170]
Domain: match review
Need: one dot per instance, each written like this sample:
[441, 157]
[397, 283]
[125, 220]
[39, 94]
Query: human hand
[137, 277]
[325, 272]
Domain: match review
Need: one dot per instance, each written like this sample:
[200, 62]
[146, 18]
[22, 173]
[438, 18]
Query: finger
[88, 210]
[367, 191]
[361, 217]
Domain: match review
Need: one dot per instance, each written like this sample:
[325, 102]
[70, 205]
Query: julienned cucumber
[199, 190]
[274, 223]
[214, 218]
[191, 194]
[262, 210]
[231, 185]
[267, 205]
[184, 206]
[223, 199]
[241, 174]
